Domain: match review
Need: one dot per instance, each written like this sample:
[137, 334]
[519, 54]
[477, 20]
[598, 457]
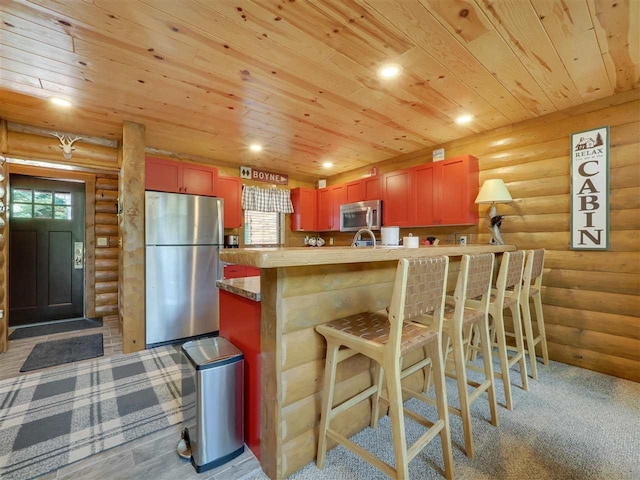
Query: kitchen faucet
[361, 231]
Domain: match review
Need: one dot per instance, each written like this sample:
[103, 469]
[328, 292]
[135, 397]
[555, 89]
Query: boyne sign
[264, 176]
[590, 190]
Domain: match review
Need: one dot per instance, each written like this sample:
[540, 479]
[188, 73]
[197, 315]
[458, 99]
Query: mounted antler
[66, 144]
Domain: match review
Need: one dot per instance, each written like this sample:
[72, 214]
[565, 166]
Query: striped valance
[266, 199]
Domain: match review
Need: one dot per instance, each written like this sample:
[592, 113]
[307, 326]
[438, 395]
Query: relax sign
[590, 190]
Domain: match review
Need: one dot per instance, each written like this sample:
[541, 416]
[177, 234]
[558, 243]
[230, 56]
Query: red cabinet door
[399, 199]
[230, 189]
[199, 180]
[355, 191]
[458, 179]
[163, 175]
[372, 188]
[426, 194]
[325, 209]
[339, 197]
[305, 210]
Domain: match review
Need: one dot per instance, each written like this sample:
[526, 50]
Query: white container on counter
[411, 242]
[390, 235]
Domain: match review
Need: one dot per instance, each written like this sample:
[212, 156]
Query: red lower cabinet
[240, 324]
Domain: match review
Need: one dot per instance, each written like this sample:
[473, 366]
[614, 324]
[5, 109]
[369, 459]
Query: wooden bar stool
[419, 289]
[506, 295]
[531, 288]
[474, 281]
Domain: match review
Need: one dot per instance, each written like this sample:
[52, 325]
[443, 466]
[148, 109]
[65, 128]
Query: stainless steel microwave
[354, 216]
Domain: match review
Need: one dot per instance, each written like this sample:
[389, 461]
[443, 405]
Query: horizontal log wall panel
[592, 300]
[30, 146]
[309, 280]
[103, 183]
[107, 298]
[107, 195]
[611, 323]
[106, 275]
[602, 362]
[106, 230]
[107, 287]
[358, 299]
[107, 264]
[613, 282]
[106, 207]
[628, 219]
[621, 241]
[303, 415]
[106, 218]
[107, 252]
[306, 379]
[102, 310]
[595, 341]
[627, 262]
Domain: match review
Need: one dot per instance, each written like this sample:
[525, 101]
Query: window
[40, 204]
[263, 228]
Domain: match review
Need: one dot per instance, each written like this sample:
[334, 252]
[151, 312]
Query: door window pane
[42, 211]
[62, 198]
[42, 197]
[62, 212]
[21, 210]
[22, 195]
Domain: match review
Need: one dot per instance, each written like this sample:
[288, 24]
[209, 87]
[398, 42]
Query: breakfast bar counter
[299, 289]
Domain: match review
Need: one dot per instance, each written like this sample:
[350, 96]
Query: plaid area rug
[53, 418]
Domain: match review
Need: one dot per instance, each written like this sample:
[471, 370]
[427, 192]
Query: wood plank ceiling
[210, 77]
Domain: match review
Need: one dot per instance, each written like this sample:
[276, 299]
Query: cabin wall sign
[590, 189]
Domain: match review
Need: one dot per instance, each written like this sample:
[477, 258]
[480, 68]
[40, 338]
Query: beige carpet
[571, 424]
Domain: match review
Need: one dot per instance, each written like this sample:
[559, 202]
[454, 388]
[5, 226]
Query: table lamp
[494, 191]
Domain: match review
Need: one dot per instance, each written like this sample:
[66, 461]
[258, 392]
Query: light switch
[102, 241]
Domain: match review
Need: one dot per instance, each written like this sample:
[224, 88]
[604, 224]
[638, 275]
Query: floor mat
[53, 328]
[52, 418]
[58, 352]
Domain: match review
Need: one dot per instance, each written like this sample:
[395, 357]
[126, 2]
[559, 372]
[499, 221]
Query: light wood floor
[12, 360]
[154, 457]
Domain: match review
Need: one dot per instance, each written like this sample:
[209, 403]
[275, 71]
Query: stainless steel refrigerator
[183, 237]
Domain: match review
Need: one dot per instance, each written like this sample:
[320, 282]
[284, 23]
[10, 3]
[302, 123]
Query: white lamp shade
[494, 191]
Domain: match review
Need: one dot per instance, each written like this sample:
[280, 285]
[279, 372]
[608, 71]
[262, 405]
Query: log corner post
[131, 212]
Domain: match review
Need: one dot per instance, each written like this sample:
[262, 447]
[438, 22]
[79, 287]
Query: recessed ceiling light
[255, 147]
[60, 102]
[327, 164]
[462, 119]
[390, 71]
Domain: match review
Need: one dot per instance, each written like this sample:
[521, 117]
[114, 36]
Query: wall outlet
[330, 240]
[306, 240]
[102, 241]
[1, 314]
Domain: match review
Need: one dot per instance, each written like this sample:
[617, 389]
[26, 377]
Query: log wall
[106, 258]
[591, 299]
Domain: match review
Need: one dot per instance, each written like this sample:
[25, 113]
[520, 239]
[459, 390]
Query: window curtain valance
[266, 199]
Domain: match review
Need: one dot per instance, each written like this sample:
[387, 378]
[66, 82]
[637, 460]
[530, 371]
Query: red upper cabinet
[446, 192]
[339, 197]
[325, 209]
[355, 191]
[230, 189]
[329, 201]
[170, 176]
[372, 188]
[398, 196]
[426, 194]
[458, 182]
[305, 210]
[199, 180]
[163, 175]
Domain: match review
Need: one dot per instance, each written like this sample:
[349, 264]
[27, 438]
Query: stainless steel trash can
[212, 401]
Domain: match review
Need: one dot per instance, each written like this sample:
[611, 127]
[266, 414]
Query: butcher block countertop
[247, 287]
[305, 256]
